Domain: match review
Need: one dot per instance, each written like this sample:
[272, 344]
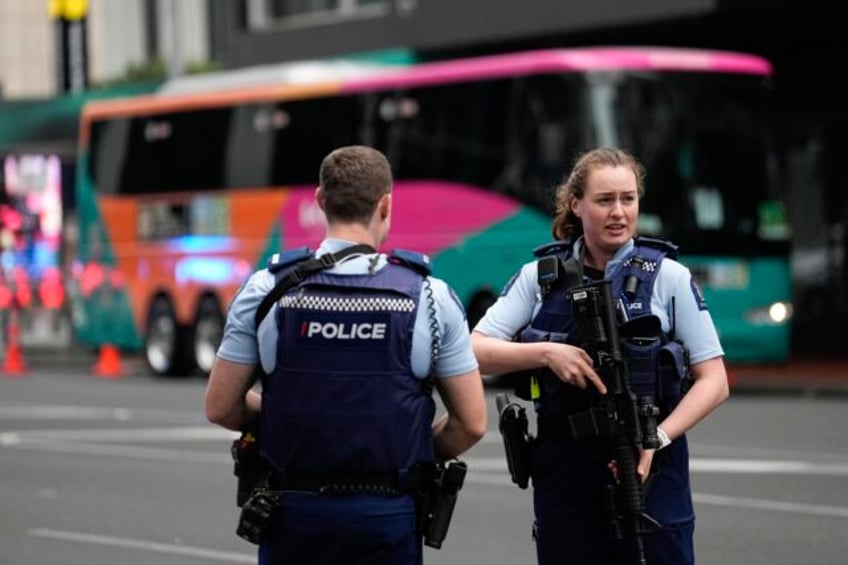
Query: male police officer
[348, 353]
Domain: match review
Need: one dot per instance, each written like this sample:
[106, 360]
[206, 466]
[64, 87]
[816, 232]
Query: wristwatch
[663, 437]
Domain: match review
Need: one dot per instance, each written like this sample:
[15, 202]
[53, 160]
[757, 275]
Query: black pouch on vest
[521, 380]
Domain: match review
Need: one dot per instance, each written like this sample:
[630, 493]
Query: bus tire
[208, 330]
[166, 347]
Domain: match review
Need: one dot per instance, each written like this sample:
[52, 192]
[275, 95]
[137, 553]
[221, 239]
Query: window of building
[269, 14]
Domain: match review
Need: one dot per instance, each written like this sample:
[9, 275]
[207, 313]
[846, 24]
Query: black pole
[71, 54]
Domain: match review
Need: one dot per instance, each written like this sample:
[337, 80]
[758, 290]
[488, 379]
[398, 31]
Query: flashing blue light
[207, 270]
[201, 244]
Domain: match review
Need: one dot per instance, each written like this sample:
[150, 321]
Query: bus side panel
[102, 314]
[486, 260]
[738, 293]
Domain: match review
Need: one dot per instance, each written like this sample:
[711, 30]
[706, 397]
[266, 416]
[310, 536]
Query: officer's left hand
[643, 467]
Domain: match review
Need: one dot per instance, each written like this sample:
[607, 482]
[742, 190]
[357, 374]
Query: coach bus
[181, 195]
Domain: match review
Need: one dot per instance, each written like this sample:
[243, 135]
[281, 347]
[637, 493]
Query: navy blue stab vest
[657, 367]
[656, 363]
[343, 398]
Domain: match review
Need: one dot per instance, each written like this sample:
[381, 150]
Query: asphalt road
[102, 471]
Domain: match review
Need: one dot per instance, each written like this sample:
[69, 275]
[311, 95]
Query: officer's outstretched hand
[573, 366]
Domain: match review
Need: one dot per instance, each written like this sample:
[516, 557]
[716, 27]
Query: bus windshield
[704, 140]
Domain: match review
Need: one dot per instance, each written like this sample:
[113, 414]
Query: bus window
[549, 131]
[176, 152]
[451, 132]
[314, 128]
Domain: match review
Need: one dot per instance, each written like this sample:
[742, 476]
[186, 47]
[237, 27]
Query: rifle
[631, 421]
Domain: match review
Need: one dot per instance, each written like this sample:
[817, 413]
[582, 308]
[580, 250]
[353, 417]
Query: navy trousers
[352, 529]
[571, 522]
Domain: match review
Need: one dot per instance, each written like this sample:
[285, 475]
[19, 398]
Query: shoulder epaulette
[552, 248]
[666, 247]
[418, 262]
[289, 257]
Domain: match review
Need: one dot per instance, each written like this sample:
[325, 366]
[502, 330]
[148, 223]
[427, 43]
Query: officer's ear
[385, 206]
[320, 197]
[574, 205]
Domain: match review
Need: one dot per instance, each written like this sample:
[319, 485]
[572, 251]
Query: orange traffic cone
[109, 364]
[14, 365]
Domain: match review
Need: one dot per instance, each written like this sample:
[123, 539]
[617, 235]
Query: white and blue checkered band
[353, 304]
[647, 266]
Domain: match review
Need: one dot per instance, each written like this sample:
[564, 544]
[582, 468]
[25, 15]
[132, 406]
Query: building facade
[119, 37]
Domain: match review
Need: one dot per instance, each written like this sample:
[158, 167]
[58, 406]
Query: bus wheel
[208, 330]
[478, 306]
[165, 344]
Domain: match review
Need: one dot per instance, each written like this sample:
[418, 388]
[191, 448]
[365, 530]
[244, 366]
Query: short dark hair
[354, 179]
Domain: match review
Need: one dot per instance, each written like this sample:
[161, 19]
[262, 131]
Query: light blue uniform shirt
[240, 343]
[522, 298]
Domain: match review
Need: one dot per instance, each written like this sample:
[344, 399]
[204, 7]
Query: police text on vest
[332, 330]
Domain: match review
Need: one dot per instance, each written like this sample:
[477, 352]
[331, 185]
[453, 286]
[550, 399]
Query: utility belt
[386, 484]
[513, 425]
[435, 486]
[592, 423]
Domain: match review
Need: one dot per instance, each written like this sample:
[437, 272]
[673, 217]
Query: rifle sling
[303, 270]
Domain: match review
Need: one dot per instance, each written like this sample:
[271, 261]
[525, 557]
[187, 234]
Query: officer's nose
[617, 208]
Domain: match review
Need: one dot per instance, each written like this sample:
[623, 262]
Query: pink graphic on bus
[427, 216]
[563, 61]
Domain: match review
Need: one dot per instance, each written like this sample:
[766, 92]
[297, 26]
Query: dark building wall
[436, 24]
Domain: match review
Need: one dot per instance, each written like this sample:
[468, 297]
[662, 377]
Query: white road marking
[181, 433]
[144, 545]
[767, 467]
[126, 451]
[18, 412]
[772, 505]
[709, 465]
[101, 442]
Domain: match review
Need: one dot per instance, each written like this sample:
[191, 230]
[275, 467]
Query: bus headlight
[775, 314]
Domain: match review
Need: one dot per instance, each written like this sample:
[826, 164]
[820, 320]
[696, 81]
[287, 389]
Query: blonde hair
[566, 224]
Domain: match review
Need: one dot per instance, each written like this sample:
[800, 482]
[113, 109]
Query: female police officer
[597, 208]
[346, 413]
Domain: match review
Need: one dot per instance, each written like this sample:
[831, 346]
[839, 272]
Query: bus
[181, 195]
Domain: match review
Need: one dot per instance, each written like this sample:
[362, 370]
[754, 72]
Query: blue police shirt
[240, 344]
[522, 298]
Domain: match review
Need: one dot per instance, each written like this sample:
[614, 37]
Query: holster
[257, 512]
[516, 439]
[248, 466]
[439, 501]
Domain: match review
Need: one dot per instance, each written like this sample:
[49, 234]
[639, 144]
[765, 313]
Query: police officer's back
[349, 345]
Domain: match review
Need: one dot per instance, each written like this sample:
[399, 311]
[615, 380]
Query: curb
[806, 377]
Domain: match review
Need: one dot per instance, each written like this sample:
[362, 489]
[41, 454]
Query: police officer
[348, 356]
[596, 214]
